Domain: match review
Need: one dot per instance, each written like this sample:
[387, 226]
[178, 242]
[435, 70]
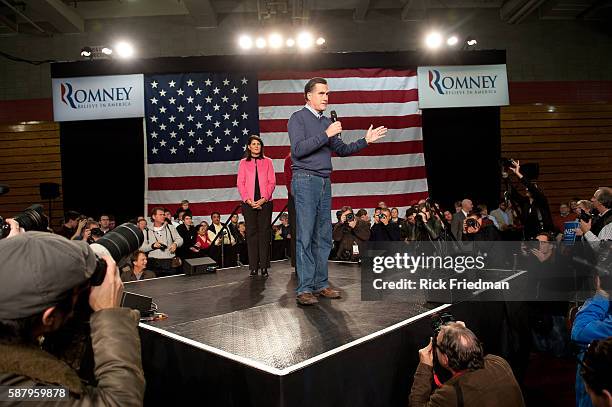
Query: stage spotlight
[245, 42]
[433, 40]
[260, 43]
[275, 41]
[125, 50]
[320, 41]
[305, 40]
[290, 42]
[86, 52]
[107, 51]
[471, 41]
[452, 40]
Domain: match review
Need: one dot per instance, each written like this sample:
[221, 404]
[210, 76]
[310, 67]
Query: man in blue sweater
[313, 138]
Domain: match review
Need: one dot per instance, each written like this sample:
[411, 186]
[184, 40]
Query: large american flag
[197, 125]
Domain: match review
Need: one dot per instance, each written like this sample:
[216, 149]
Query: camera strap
[459, 394]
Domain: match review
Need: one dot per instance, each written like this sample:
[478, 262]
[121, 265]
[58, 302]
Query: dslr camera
[471, 223]
[32, 218]
[585, 216]
[507, 162]
[350, 217]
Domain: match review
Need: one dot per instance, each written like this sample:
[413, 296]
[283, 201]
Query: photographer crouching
[349, 232]
[475, 379]
[44, 277]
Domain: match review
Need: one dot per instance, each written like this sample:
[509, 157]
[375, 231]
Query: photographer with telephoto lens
[474, 379]
[351, 231]
[45, 279]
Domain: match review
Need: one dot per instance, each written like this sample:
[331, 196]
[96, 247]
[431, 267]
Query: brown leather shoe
[306, 299]
[328, 293]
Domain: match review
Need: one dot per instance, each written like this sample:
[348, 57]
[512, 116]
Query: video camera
[32, 218]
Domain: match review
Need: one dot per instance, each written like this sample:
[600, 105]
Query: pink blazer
[246, 178]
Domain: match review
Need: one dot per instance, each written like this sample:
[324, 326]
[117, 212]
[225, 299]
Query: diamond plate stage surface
[258, 319]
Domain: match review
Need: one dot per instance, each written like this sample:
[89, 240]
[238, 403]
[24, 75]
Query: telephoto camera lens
[120, 242]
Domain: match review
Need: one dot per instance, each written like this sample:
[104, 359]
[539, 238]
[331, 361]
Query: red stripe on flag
[356, 202]
[339, 176]
[342, 97]
[335, 73]
[351, 123]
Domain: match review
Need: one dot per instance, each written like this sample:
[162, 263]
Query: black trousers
[292, 229]
[259, 234]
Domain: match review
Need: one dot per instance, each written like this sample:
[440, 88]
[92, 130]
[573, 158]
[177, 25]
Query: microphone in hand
[335, 128]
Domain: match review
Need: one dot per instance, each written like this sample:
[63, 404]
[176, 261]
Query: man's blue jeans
[312, 196]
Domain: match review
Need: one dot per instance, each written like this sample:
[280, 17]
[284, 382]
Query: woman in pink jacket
[256, 183]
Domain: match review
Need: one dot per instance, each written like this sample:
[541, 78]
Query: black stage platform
[235, 340]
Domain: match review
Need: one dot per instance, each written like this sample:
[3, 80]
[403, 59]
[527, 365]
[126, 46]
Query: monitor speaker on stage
[200, 265]
[49, 190]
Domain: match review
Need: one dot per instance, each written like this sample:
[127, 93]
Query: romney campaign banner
[462, 86]
[98, 97]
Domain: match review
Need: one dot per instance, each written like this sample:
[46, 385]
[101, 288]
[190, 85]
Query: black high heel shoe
[253, 273]
[264, 273]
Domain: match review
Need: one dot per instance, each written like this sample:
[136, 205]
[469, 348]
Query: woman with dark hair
[256, 183]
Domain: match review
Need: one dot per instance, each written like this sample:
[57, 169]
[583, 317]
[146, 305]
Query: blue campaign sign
[569, 231]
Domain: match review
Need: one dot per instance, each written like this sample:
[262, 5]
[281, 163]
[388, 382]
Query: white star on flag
[171, 84]
[234, 90]
[190, 99]
[235, 139]
[208, 117]
[228, 147]
[180, 109]
[162, 93]
[227, 132]
[162, 109]
[234, 107]
[235, 123]
[225, 82]
[172, 134]
[199, 125]
[209, 133]
[154, 134]
[154, 119]
[208, 99]
[199, 141]
[244, 81]
[173, 150]
[217, 124]
[245, 116]
[210, 149]
[154, 101]
[216, 91]
[191, 133]
[226, 116]
[154, 150]
[217, 140]
[181, 142]
[190, 118]
[181, 126]
[191, 149]
[180, 92]
[154, 84]
[162, 126]
[198, 91]
[245, 98]
[162, 143]
[225, 99]
[189, 82]
[198, 108]
[208, 82]
[216, 107]
[172, 119]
